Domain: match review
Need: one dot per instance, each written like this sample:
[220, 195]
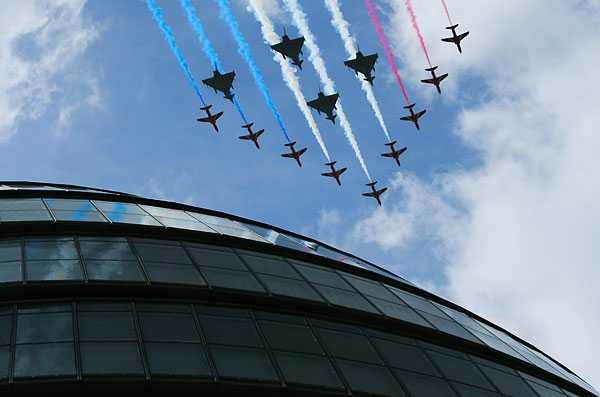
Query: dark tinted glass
[103, 306]
[450, 327]
[406, 357]
[114, 270]
[268, 264]
[177, 359]
[163, 307]
[54, 270]
[106, 250]
[461, 370]
[399, 311]
[230, 331]
[472, 391]
[243, 363]
[322, 276]
[217, 258]
[423, 385]
[234, 279]
[10, 251]
[290, 287]
[110, 358]
[346, 298]
[50, 327]
[351, 346]
[371, 288]
[106, 326]
[506, 383]
[418, 302]
[305, 369]
[45, 359]
[392, 337]
[50, 249]
[286, 318]
[44, 307]
[5, 329]
[4, 353]
[10, 271]
[162, 253]
[176, 274]
[544, 391]
[168, 327]
[221, 311]
[371, 378]
[290, 337]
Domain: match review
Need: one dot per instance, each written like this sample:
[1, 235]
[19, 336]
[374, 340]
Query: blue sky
[496, 203]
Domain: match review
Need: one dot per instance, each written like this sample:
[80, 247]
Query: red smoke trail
[386, 46]
[447, 13]
[414, 23]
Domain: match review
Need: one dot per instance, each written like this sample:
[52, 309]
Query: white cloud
[39, 41]
[519, 232]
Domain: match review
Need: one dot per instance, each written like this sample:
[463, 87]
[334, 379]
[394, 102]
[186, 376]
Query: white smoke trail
[299, 18]
[288, 72]
[341, 25]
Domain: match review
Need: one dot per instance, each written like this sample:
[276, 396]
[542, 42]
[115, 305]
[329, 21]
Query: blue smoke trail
[243, 49]
[207, 46]
[157, 14]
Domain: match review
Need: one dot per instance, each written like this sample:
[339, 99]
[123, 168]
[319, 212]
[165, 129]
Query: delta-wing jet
[221, 82]
[290, 48]
[326, 104]
[363, 64]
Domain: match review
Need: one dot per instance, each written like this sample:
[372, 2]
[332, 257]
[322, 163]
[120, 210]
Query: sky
[496, 205]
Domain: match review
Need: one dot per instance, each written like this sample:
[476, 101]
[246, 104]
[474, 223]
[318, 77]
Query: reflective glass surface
[126, 213]
[74, 210]
[226, 226]
[177, 359]
[23, 210]
[176, 219]
[52, 259]
[111, 358]
[46, 359]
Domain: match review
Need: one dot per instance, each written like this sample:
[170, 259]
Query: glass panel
[268, 264]
[399, 311]
[15, 210]
[44, 307]
[460, 370]
[450, 327]
[232, 279]
[290, 337]
[50, 249]
[45, 360]
[177, 359]
[10, 271]
[305, 369]
[103, 306]
[5, 329]
[471, 391]
[176, 219]
[370, 288]
[322, 276]
[10, 250]
[222, 259]
[176, 274]
[230, 331]
[126, 213]
[114, 270]
[406, 357]
[110, 358]
[286, 318]
[507, 383]
[444, 350]
[54, 270]
[418, 303]
[51, 327]
[163, 307]
[345, 298]
[221, 311]
[422, 385]
[392, 337]
[4, 354]
[168, 327]
[106, 326]
[226, 226]
[243, 363]
[497, 344]
[371, 378]
[107, 250]
[464, 320]
[162, 253]
[275, 237]
[544, 391]
[351, 346]
[74, 210]
[290, 287]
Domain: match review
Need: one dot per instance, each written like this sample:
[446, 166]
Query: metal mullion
[437, 367]
[75, 318]
[48, 209]
[253, 272]
[268, 349]
[13, 345]
[140, 341]
[330, 356]
[262, 239]
[209, 357]
[309, 283]
[139, 259]
[102, 212]
[364, 296]
[205, 224]
[196, 264]
[151, 216]
[23, 262]
[81, 261]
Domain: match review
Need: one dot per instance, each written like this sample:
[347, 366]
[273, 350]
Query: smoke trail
[244, 50]
[341, 26]
[413, 19]
[386, 45]
[157, 15]
[315, 58]
[447, 13]
[207, 46]
[288, 72]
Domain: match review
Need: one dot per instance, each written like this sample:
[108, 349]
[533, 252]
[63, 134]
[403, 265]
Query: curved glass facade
[101, 286]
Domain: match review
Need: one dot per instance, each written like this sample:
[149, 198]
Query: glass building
[105, 292]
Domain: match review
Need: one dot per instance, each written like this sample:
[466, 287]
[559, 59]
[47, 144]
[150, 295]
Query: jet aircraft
[326, 104]
[414, 117]
[435, 80]
[395, 154]
[252, 136]
[290, 48]
[456, 39]
[221, 82]
[334, 173]
[375, 193]
[294, 154]
[363, 64]
[210, 118]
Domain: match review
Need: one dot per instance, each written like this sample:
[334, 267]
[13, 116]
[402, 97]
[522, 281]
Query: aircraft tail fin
[412, 105]
[330, 164]
[248, 125]
[291, 144]
[452, 27]
[206, 107]
[390, 144]
[371, 184]
[259, 133]
[431, 69]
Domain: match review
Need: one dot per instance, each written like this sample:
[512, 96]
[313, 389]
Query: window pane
[177, 359]
[54, 270]
[472, 391]
[44, 307]
[351, 346]
[544, 391]
[371, 378]
[47, 327]
[399, 311]
[268, 264]
[113, 270]
[507, 383]
[406, 357]
[460, 370]
[322, 276]
[110, 358]
[10, 271]
[290, 287]
[465, 320]
[370, 288]
[4, 353]
[305, 369]
[74, 210]
[10, 251]
[450, 327]
[168, 327]
[345, 298]
[106, 326]
[163, 307]
[50, 249]
[232, 279]
[243, 363]
[95, 306]
[106, 250]
[126, 213]
[226, 226]
[276, 238]
[291, 337]
[422, 385]
[5, 329]
[418, 302]
[45, 360]
[230, 331]
[176, 274]
[220, 258]
[162, 253]
[12, 210]
[176, 218]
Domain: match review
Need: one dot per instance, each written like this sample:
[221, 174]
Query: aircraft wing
[290, 155]
[328, 174]
[301, 151]
[295, 45]
[462, 36]
[371, 194]
[370, 60]
[408, 118]
[315, 105]
[388, 154]
[248, 137]
[210, 82]
[228, 78]
[352, 64]
[331, 101]
[422, 112]
[451, 39]
[214, 117]
[429, 81]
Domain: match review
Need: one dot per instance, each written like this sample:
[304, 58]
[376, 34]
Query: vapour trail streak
[386, 45]
[157, 15]
[244, 50]
[288, 72]
[413, 19]
[206, 45]
[341, 26]
[447, 13]
[299, 18]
